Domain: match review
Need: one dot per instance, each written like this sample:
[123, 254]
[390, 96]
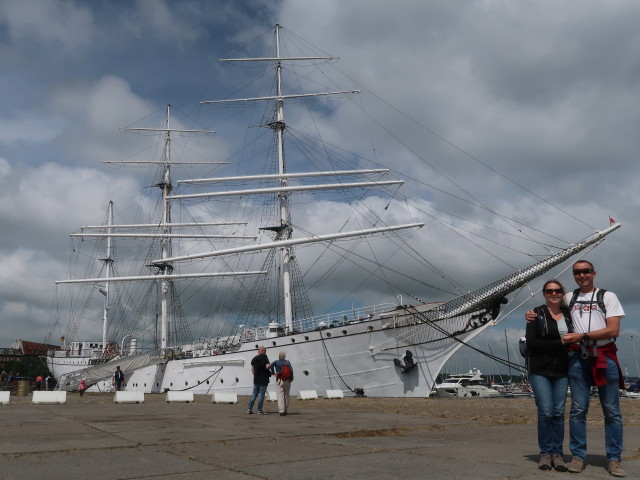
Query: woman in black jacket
[547, 363]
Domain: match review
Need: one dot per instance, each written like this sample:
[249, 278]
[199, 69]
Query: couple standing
[262, 370]
[571, 342]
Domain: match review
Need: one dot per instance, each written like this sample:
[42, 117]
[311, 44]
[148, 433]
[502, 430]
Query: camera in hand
[585, 354]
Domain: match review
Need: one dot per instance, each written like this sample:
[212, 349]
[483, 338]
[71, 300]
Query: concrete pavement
[97, 439]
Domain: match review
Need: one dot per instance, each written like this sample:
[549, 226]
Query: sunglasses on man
[586, 271]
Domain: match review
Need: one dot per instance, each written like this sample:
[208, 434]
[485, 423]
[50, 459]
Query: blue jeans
[551, 397]
[259, 392]
[580, 382]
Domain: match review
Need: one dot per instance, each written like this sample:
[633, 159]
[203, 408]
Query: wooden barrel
[23, 388]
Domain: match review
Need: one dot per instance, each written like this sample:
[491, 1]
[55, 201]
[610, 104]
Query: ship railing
[254, 334]
[338, 319]
[319, 322]
[408, 315]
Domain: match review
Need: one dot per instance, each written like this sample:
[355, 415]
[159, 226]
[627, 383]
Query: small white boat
[470, 384]
[628, 394]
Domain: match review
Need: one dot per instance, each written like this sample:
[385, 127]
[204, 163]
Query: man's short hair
[282, 355]
[585, 261]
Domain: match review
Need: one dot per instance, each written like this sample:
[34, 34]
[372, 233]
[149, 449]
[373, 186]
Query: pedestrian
[260, 369]
[47, 383]
[118, 379]
[284, 376]
[82, 387]
[39, 380]
[596, 315]
[547, 364]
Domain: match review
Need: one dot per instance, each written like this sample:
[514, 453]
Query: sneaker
[249, 412]
[576, 465]
[558, 462]
[260, 412]
[545, 462]
[615, 469]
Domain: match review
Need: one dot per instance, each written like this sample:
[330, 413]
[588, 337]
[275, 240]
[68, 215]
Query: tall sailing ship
[228, 262]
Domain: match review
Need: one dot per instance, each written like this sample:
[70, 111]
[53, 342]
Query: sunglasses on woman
[557, 291]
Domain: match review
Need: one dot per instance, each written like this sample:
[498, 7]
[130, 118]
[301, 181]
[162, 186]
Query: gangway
[104, 371]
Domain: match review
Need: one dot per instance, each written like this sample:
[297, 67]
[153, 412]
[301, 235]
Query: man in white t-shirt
[593, 361]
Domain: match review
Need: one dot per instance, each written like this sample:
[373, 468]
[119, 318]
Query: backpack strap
[566, 312]
[572, 302]
[599, 299]
[541, 320]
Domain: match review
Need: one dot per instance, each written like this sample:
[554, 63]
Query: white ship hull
[323, 360]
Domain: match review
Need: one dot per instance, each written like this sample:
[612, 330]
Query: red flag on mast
[611, 220]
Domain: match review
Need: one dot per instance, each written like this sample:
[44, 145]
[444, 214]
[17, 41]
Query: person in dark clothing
[118, 379]
[260, 368]
[548, 365]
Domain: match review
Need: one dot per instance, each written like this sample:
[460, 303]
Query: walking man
[284, 376]
[260, 369]
[596, 316]
[118, 378]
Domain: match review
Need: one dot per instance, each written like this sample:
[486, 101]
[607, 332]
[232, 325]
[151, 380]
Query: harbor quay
[372, 438]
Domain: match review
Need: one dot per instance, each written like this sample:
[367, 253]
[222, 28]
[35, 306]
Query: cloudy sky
[545, 93]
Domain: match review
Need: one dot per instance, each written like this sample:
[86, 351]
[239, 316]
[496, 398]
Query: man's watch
[585, 337]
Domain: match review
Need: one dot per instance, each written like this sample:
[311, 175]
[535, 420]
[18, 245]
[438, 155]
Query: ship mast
[164, 264]
[284, 232]
[108, 261]
[165, 243]
[284, 241]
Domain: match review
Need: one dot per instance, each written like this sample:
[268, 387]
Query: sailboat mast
[166, 268]
[283, 198]
[506, 344]
[109, 265]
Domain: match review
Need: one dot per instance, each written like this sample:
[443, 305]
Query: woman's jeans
[551, 396]
[259, 392]
[580, 382]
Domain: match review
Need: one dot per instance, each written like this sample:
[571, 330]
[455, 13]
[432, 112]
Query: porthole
[207, 382]
[344, 332]
[257, 345]
[186, 384]
[145, 385]
[293, 340]
[370, 328]
[328, 334]
[274, 343]
[222, 380]
[171, 384]
[237, 379]
[306, 372]
[306, 337]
